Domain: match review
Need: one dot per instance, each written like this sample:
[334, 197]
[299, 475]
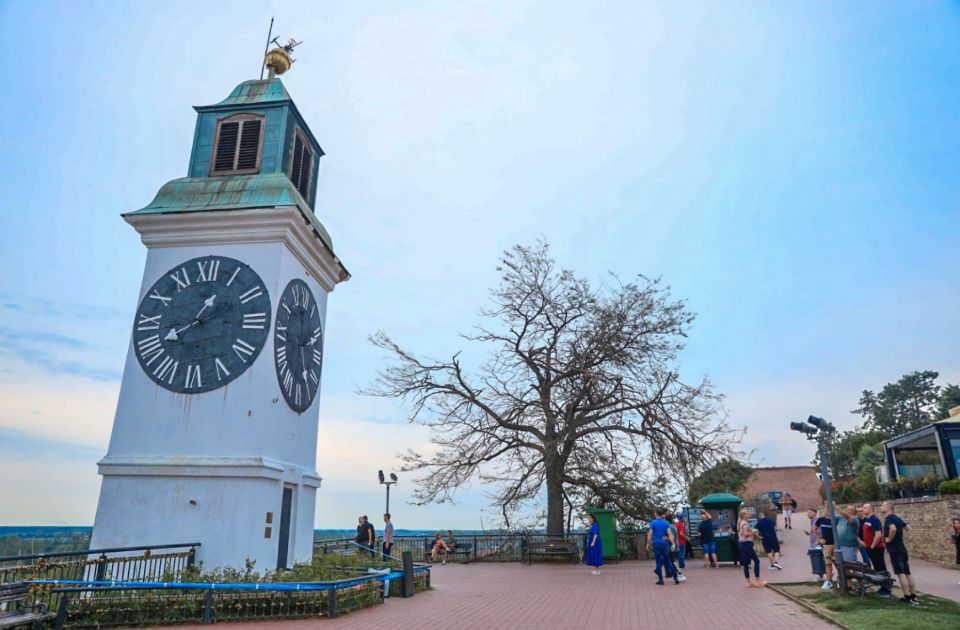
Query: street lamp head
[393, 477]
[380, 474]
[803, 427]
[821, 424]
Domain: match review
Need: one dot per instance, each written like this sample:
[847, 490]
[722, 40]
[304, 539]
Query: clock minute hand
[207, 303]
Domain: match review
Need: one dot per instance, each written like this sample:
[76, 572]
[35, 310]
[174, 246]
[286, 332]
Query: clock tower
[214, 438]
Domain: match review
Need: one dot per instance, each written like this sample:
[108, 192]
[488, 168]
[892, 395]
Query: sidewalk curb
[816, 611]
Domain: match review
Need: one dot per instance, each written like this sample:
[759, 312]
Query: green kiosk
[724, 508]
[607, 520]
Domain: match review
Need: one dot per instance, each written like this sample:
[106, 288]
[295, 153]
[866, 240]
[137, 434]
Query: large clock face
[202, 324]
[298, 341]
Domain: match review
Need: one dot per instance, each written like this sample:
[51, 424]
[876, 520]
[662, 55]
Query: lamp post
[383, 481]
[817, 430]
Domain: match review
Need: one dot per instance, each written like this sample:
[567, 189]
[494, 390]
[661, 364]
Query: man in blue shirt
[768, 536]
[660, 539]
[708, 540]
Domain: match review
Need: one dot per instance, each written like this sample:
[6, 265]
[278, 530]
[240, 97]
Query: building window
[302, 165]
[238, 145]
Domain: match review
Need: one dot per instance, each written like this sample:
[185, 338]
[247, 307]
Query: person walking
[788, 504]
[768, 538]
[387, 535]
[594, 546]
[893, 529]
[708, 540]
[748, 553]
[825, 538]
[660, 540]
[675, 546]
[682, 541]
[873, 540]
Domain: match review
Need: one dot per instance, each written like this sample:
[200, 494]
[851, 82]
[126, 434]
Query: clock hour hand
[172, 335]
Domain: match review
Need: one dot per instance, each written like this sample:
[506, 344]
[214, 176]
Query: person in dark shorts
[825, 537]
[893, 530]
[708, 540]
[768, 538]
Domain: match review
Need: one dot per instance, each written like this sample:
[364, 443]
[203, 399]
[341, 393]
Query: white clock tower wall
[229, 463]
[212, 467]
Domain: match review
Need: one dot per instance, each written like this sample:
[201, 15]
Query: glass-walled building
[930, 450]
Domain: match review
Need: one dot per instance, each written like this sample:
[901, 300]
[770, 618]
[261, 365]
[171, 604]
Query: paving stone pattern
[512, 596]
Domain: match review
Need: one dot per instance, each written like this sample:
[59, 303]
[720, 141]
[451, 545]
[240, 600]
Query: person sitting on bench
[446, 546]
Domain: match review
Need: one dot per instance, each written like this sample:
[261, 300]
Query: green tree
[727, 475]
[949, 398]
[844, 447]
[867, 460]
[899, 407]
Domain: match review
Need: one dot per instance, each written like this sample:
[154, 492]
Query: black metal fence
[494, 547]
[127, 564]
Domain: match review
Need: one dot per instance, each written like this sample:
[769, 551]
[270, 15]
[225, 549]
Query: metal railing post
[62, 611]
[192, 558]
[332, 604]
[208, 607]
[101, 568]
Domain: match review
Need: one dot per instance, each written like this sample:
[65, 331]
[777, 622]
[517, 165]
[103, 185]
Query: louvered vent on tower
[302, 166]
[237, 147]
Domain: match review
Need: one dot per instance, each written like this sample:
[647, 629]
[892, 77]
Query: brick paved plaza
[512, 596]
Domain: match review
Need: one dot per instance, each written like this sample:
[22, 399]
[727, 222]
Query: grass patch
[871, 612]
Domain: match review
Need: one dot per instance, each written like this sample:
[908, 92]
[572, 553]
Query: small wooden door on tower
[283, 540]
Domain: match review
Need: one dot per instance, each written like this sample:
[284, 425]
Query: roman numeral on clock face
[208, 270]
[163, 299]
[148, 322]
[181, 277]
[222, 371]
[317, 357]
[243, 349]
[254, 320]
[253, 293]
[288, 381]
[166, 370]
[282, 333]
[150, 348]
[193, 380]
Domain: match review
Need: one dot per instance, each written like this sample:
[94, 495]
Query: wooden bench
[462, 550]
[17, 614]
[551, 550]
[866, 577]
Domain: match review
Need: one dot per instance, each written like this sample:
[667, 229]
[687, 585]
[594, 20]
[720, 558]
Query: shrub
[951, 486]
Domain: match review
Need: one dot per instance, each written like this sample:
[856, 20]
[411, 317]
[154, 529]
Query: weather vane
[278, 59]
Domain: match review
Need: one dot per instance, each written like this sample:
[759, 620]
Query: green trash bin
[607, 520]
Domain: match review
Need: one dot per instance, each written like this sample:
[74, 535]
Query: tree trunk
[554, 501]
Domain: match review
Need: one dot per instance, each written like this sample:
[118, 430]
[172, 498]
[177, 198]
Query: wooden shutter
[227, 146]
[249, 145]
[302, 166]
[238, 145]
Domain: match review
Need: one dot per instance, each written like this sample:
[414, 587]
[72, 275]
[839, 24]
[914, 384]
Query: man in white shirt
[387, 535]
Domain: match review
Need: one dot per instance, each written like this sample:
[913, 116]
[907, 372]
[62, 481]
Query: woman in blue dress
[594, 548]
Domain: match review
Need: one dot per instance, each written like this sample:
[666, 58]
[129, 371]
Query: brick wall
[929, 519]
[800, 481]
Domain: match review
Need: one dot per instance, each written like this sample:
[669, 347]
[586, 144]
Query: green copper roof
[721, 499]
[237, 192]
[253, 92]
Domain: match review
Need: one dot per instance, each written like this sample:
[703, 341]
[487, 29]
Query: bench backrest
[13, 592]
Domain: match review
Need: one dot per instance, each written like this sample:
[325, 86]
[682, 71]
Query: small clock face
[202, 324]
[298, 342]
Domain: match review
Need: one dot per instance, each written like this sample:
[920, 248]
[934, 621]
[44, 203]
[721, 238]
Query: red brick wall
[799, 481]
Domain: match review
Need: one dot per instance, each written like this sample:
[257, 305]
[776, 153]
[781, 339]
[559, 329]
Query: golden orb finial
[278, 60]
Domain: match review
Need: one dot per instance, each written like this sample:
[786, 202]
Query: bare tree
[578, 394]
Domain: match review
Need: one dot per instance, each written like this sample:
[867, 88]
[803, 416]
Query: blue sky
[790, 171]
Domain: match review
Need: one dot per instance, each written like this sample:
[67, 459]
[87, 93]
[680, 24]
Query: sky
[790, 171]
